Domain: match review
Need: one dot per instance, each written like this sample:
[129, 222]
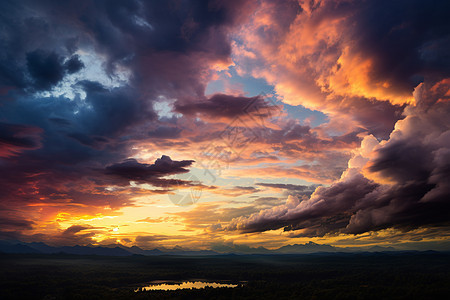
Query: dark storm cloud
[131, 169]
[153, 39]
[13, 224]
[112, 111]
[71, 236]
[165, 132]
[297, 214]
[377, 117]
[74, 64]
[74, 229]
[41, 38]
[357, 60]
[148, 38]
[46, 69]
[416, 34]
[31, 55]
[303, 136]
[407, 41]
[76, 131]
[416, 161]
[404, 161]
[16, 138]
[228, 106]
[57, 147]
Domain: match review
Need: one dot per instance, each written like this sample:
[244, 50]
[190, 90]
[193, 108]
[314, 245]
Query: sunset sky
[206, 124]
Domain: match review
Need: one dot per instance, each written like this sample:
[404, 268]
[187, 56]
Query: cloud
[74, 64]
[48, 69]
[210, 216]
[236, 191]
[74, 235]
[331, 56]
[132, 170]
[17, 138]
[45, 69]
[13, 224]
[400, 183]
[292, 187]
[78, 81]
[228, 107]
[74, 229]
[165, 132]
[154, 220]
[317, 173]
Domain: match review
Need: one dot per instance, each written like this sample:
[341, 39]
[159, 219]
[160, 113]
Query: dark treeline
[316, 276]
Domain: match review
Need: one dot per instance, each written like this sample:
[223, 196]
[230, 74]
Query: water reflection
[170, 286]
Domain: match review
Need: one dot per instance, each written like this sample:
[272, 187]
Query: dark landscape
[381, 275]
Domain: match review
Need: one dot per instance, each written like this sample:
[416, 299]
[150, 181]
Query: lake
[170, 286]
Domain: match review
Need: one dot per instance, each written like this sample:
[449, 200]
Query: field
[408, 275]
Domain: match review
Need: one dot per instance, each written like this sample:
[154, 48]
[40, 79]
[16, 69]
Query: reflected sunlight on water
[185, 285]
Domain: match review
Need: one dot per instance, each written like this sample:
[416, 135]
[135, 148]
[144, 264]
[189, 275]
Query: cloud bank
[402, 182]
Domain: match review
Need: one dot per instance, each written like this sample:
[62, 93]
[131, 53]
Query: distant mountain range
[120, 250]
[306, 248]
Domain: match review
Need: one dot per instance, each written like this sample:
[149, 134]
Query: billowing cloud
[48, 69]
[400, 183]
[332, 56]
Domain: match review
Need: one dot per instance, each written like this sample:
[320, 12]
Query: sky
[205, 124]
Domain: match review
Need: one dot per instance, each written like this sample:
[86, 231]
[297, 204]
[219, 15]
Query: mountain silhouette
[121, 250]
